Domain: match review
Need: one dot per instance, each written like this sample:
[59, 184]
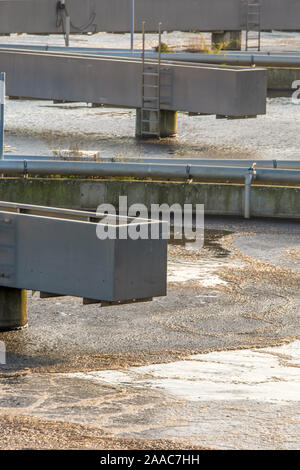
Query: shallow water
[265, 382]
[202, 270]
[41, 127]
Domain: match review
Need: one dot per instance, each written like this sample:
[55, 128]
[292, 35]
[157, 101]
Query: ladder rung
[150, 109]
[152, 103]
[151, 73]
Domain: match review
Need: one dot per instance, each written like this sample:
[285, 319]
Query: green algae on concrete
[48, 192]
[282, 78]
[218, 199]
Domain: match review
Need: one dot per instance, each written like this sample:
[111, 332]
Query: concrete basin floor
[215, 364]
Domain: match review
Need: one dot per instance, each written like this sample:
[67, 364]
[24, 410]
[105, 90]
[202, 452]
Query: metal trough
[57, 251]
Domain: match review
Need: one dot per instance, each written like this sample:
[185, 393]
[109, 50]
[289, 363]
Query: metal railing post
[250, 176]
[67, 31]
[2, 105]
[159, 78]
[132, 28]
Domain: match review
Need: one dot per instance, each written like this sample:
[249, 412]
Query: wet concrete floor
[196, 366]
[215, 363]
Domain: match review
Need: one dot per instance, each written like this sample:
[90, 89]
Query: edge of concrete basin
[218, 199]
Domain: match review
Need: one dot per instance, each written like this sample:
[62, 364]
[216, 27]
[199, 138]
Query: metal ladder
[253, 24]
[153, 80]
[150, 91]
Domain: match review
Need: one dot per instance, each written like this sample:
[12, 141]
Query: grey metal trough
[57, 252]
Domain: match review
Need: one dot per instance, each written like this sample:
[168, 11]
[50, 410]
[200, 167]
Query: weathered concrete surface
[256, 305]
[221, 199]
[65, 412]
[281, 79]
[23, 432]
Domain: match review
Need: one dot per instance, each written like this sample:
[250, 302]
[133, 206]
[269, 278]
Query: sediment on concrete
[219, 199]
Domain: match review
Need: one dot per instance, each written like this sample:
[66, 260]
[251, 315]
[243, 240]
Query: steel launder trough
[58, 251]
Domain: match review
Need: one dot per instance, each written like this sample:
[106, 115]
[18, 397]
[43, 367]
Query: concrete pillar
[227, 40]
[13, 308]
[167, 125]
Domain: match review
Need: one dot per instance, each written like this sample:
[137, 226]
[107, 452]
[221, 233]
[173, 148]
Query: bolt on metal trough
[57, 252]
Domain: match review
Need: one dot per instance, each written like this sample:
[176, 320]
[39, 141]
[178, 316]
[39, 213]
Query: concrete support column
[227, 40]
[167, 124]
[13, 308]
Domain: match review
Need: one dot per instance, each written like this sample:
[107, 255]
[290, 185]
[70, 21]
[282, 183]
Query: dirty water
[200, 372]
[273, 249]
[215, 300]
[206, 400]
[40, 128]
[47, 128]
[110, 372]
[202, 269]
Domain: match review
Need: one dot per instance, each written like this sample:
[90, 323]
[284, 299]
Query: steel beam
[62, 256]
[42, 16]
[227, 91]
